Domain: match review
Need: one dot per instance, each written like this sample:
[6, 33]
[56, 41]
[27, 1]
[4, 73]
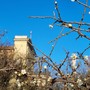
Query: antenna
[30, 34]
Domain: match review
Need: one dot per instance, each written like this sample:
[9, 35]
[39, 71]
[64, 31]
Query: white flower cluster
[71, 84]
[18, 83]
[79, 81]
[51, 26]
[74, 64]
[23, 71]
[74, 57]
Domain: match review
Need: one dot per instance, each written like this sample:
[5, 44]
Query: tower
[23, 47]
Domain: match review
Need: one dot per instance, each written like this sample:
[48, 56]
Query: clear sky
[14, 18]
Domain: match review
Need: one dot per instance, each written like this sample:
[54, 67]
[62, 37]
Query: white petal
[55, 2]
[89, 12]
[72, 0]
[51, 26]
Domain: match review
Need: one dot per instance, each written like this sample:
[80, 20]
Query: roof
[6, 48]
[31, 47]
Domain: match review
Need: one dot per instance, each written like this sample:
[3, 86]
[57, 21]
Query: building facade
[23, 47]
[22, 50]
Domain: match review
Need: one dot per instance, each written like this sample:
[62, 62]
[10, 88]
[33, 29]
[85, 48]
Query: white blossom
[44, 57]
[74, 72]
[18, 83]
[49, 79]
[85, 79]
[58, 74]
[51, 26]
[18, 80]
[15, 72]
[19, 74]
[23, 71]
[89, 12]
[22, 83]
[55, 2]
[69, 25]
[79, 81]
[74, 56]
[73, 62]
[73, 0]
[86, 57]
[45, 67]
[71, 85]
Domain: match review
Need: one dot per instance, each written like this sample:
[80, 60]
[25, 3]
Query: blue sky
[14, 18]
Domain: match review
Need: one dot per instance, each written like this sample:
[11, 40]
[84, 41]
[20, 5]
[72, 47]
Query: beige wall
[22, 47]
